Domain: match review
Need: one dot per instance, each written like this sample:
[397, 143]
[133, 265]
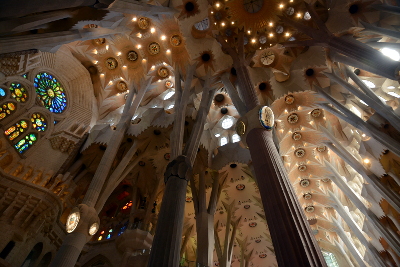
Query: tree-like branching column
[290, 232]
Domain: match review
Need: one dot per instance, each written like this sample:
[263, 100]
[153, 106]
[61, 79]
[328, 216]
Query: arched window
[330, 259]
[6, 109]
[2, 93]
[7, 249]
[33, 255]
[26, 142]
[17, 129]
[45, 261]
[38, 122]
[50, 92]
[18, 92]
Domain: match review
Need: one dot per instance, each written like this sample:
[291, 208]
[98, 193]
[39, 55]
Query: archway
[7, 249]
[33, 255]
[45, 262]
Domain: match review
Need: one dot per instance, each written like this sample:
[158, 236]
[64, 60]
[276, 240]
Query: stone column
[167, 240]
[291, 235]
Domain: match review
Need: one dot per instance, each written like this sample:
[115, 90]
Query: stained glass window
[2, 93]
[26, 142]
[17, 129]
[50, 92]
[330, 259]
[25, 75]
[6, 109]
[38, 122]
[18, 92]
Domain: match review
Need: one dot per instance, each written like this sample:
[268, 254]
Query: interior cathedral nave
[243, 133]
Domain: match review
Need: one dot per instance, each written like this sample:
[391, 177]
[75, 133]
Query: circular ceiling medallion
[189, 199]
[253, 6]
[154, 48]
[72, 221]
[307, 196]
[143, 23]
[132, 55]
[163, 72]
[93, 228]
[309, 209]
[321, 148]
[111, 63]
[240, 187]
[304, 182]
[99, 41]
[175, 40]
[169, 84]
[293, 118]
[267, 58]
[296, 136]
[262, 255]
[167, 156]
[316, 113]
[247, 206]
[289, 99]
[325, 180]
[266, 117]
[300, 152]
[262, 39]
[122, 86]
[240, 128]
[302, 168]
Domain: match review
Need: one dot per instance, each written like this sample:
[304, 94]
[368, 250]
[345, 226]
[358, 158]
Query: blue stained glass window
[18, 92]
[2, 93]
[25, 75]
[26, 142]
[108, 236]
[38, 122]
[50, 92]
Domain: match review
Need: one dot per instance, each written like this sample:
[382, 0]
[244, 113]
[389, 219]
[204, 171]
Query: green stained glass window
[25, 75]
[50, 92]
[6, 109]
[18, 92]
[26, 142]
[38, 122]
[17, 129]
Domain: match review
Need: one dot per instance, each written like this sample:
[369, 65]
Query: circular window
[263, 39]
[154, 48]
[72, 221]
[290, 11]
[279, 29]
[50, 92]
[132, 55]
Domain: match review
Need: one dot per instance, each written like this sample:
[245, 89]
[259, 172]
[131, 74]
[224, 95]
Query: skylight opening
[223, 141]
[227, 123]
[369, 84]
[394, 94]
[235, 138]
[391, 53]
[169, 95]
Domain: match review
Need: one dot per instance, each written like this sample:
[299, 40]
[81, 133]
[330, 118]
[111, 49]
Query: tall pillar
[167, 240]
[291, 235]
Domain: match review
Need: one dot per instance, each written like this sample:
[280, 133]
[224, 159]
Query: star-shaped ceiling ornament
[189, 8]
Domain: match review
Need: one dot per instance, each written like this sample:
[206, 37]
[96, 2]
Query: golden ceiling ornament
[316, 112]
[163, 72]
[99, 41]
[111, 63]
[302, 168]
[154, 48]
[309, 209]
[253, 15]
[300, 152]
[143, 23]
[307, 196]
[296, 136]
[175, 40]
[240, 128]
[132, 55]
[122, 86]
[304, 183]
[293, 118]
[289, 99]
[169, 84]
[321, 148]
